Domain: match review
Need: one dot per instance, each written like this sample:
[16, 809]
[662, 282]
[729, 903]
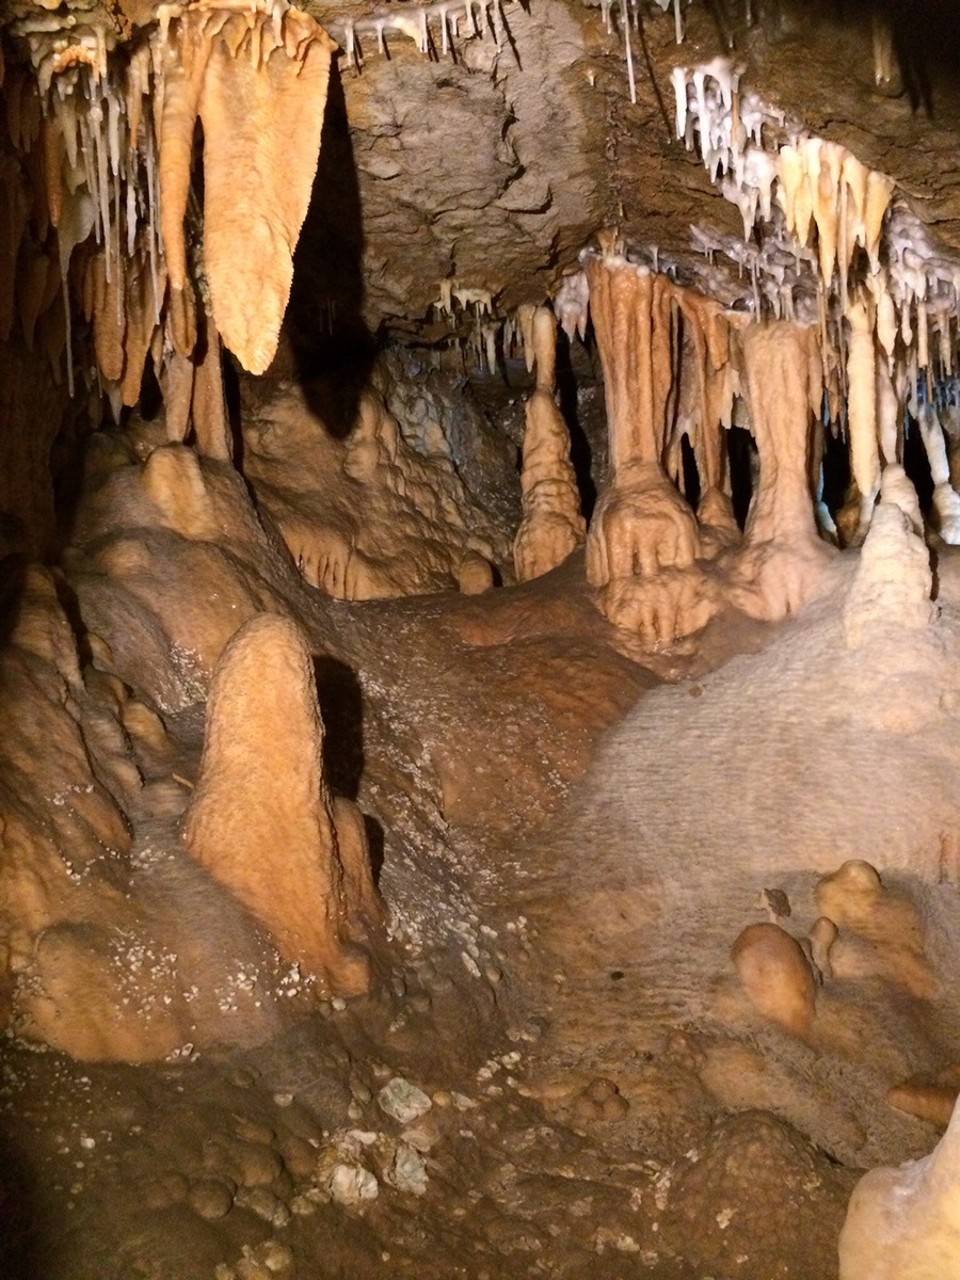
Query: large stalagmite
[262, 821]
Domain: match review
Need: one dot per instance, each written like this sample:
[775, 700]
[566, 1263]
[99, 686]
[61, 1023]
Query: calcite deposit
[262, 821]
[479, 639]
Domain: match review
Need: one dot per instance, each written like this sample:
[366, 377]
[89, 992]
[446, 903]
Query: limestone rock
[365, 517]
[403, 1101]
[261, 820]
[782, 562]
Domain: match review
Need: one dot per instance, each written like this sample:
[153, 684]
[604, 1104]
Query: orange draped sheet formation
[112, 135]
[674, 364]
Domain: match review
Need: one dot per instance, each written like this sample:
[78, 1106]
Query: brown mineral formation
[777, 977]
[883, 928]
[259, 89]
[552, 525]
[262, 820]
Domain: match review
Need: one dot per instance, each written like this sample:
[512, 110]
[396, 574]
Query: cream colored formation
[864, 270]
[262, 820]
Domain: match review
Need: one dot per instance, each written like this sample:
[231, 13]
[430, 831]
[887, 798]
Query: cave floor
[556, 1072]
[576, 1123]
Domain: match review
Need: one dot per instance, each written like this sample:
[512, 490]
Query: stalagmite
[777, 977]
[275, 846]
[173, 479]
[894, 583]
[904, 1223]
[552, 525]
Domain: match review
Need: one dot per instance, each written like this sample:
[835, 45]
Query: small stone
[298, 1155]
[210, 1198]
[265, 1205]
[351, 1184]
[275, 1256]
[250, 1164]
[252, 1130]
[250, 1268]
[403, 1101]
[360, 1092]
[409, 1173]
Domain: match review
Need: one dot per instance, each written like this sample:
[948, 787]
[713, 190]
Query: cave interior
[479, 775]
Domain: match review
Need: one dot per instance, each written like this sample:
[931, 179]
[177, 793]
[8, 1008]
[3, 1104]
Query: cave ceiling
[490, 162]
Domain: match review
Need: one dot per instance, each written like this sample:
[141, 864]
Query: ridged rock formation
[262, 820]
[894, 583]
[552, 525]
[782, 561]
[366, 516]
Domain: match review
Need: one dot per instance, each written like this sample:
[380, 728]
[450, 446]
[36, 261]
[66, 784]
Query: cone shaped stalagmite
[262, 819]
[552, 525]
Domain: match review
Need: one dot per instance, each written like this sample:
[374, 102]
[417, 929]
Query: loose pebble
[409, 1173]
[266, 1205]
[298, 1155]
[403, 1101]
[351, 1184]
[210, 1198]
